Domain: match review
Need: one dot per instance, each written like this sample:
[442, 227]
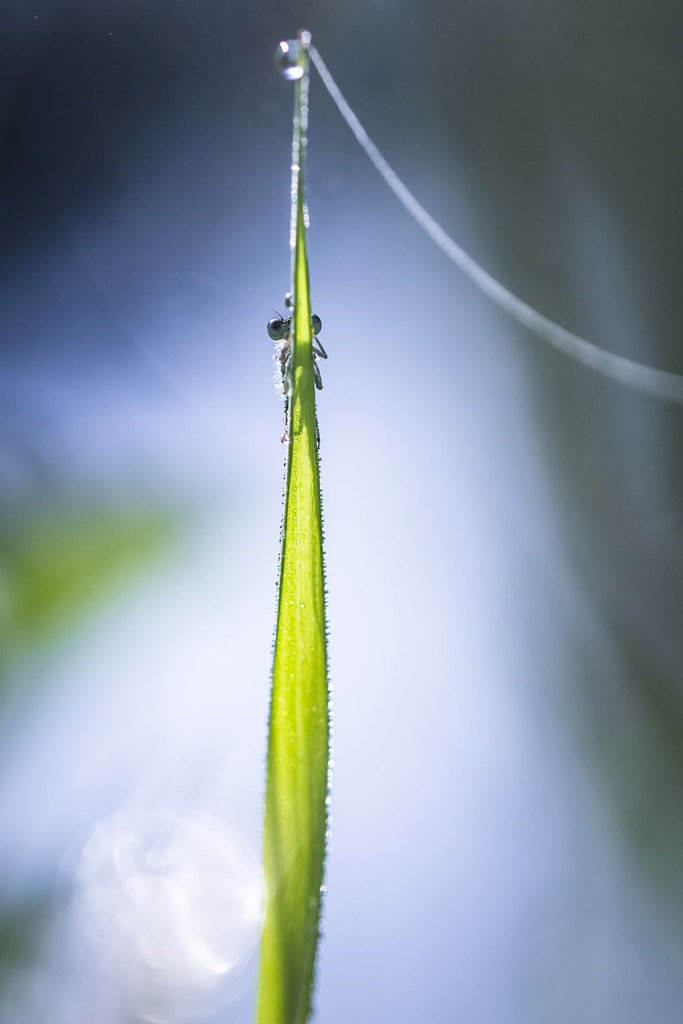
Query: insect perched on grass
[280, 331]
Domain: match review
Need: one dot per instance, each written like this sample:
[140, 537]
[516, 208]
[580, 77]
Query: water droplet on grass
[287, 59]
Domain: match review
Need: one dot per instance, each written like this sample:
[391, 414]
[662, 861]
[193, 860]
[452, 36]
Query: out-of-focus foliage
[642, 777]
[22, 929]
[55, 568]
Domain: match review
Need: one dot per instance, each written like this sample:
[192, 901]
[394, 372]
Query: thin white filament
[658, 383]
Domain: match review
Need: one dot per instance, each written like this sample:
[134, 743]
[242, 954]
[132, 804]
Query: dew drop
[287, 59]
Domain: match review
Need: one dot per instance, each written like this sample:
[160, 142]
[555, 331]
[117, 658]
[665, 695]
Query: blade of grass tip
[298, 737]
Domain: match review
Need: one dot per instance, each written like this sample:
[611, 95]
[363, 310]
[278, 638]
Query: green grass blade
[298, 739]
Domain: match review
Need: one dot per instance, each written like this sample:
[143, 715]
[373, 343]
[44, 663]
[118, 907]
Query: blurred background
[504, 530]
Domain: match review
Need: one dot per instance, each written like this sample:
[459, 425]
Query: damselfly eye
[316, 324]
[276, 328]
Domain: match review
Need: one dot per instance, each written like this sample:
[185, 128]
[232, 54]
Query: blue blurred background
[504, 531]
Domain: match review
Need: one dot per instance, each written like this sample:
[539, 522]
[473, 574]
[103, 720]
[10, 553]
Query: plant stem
[298, 739]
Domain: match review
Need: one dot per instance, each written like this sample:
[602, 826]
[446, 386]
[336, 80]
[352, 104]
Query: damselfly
[280, 330]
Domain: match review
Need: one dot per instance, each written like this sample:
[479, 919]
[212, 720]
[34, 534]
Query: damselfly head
[316, 324]
[277, 328]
